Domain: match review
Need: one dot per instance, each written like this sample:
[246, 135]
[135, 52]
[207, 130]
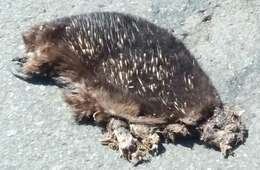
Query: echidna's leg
[82, 104]
[119, 137]
[223, 130]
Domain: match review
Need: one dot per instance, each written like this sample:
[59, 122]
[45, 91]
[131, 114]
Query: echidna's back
[142, 60]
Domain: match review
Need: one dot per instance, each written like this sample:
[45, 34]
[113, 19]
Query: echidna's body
[123, 67]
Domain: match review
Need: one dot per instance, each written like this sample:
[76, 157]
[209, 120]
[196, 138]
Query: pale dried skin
[224, 130]
[126, 142]
[119, 137]
[172, 131]
[148, 136]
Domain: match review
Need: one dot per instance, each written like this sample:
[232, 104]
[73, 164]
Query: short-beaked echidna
[134, 78]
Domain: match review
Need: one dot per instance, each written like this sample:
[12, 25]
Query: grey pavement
[37, 131]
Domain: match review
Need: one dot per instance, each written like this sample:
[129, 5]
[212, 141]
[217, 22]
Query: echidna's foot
[172, 131]
[129, 148]
[224, 130]
[17, 68]
[136, 145]
[148, 143]
[28, 67]
[119, 137]
[34, 64]
[126, 143]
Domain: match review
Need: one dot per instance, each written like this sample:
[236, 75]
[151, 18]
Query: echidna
[133, 78]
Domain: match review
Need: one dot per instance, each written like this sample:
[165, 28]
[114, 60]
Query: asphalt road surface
[37, 130]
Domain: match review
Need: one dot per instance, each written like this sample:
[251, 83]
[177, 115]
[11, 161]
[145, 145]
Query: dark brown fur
[120, 66]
